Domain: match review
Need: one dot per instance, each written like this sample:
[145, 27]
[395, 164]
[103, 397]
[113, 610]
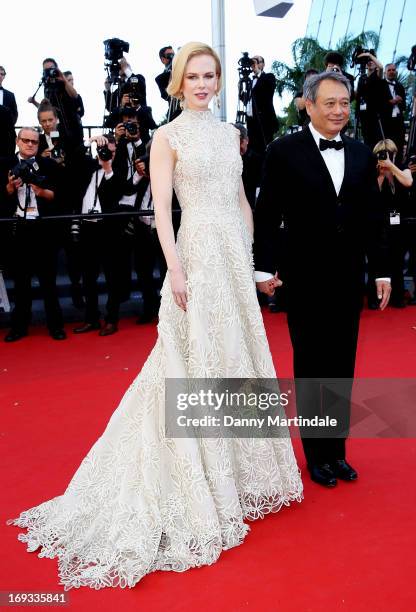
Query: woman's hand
[178, 286]
[385, 164]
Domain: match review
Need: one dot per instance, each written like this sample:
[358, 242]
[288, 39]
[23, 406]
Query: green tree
[308, 53]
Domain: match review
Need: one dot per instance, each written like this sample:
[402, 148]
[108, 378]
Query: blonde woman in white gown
[139, 501]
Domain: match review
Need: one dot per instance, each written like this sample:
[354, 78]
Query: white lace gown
[140, 502]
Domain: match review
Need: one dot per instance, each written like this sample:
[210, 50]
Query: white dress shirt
[249, 109]
[32, 208]
[396, 109]
[130, 200]
[1, 96]
[89, 201]
[335, 162]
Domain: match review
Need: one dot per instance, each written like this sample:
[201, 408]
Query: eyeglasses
[29, 141]
[2, 74]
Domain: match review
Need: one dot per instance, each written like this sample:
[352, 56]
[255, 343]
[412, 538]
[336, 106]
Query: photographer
[394, 184]
[102, 242]
[166, 55]
[262, 122]
[334, 62]
[131, 89]
[367, 96]
[391, 106]
[59, 92]
[7, 99]
[27, 190]
[300, 102]
[79, 103]
[8, 117]
[53, 145]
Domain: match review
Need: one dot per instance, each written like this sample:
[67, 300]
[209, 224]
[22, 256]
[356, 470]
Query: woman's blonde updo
[180, 61]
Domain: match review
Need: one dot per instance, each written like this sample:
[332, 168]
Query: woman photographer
[394, 184]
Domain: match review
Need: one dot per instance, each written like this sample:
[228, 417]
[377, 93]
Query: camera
[245, 63]
[28, 172]
[361, 61]
[50, 73]
[131, 127]
[113, 52]
[382, 155]
[104, 153]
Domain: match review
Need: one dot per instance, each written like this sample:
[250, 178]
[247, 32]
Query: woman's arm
[246, 209]
[162, 164]
[403, 176]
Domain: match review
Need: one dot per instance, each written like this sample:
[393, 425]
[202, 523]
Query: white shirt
[396, 109]
[335, 162]
[147, 204]
[32, 208]
[249, 109]
[130, 200]
[1, 96]
[89, 197]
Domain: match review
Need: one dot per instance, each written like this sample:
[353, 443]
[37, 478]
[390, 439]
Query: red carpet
[347, 549]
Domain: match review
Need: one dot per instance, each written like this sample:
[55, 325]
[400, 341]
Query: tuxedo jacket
[162, 81]
[109, 190]
[320, 255]
[9, 101]
[262, 97]
[121, 165]
[7, 133]
[47, 168]
[384, 96]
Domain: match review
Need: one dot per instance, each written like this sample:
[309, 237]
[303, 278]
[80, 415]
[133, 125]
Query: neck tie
[330, 144]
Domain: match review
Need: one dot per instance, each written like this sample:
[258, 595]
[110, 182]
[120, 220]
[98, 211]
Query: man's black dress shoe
[343, 470]
[57, 334]
[108, 329]
[87, 327]
[323, 475]
[14, 334]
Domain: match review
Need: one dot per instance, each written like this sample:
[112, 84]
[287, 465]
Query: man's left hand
[383, 292]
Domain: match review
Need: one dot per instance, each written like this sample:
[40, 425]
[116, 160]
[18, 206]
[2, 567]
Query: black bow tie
[330, 144]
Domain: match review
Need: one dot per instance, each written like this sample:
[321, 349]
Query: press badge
[394, 218]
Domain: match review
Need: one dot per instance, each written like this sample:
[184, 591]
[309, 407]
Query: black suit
[393, 127]
[102, 244]
[263, 124]
[9, 101]
[331, 233]
[32, 248]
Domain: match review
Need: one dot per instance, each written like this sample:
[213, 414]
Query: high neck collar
[202, 115]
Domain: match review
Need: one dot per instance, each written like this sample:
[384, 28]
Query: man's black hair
[163, 51]
[333, 57]
[50, 59]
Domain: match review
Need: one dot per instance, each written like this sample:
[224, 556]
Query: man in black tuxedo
[166, 55]
[33, 246]
[262, 122]
[8, 116]
[7, 98]
[97, 189]
[391, 106]
[322, 186]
